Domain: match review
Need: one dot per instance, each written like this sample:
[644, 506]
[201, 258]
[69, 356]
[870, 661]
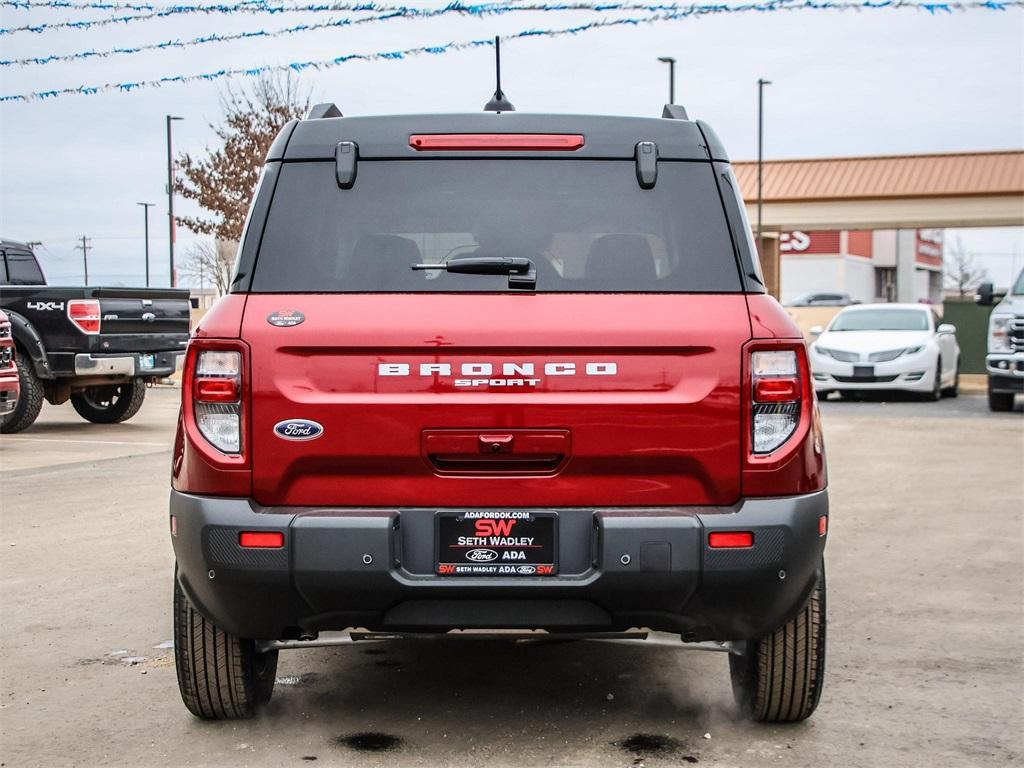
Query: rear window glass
[22, 269]
[586, 225]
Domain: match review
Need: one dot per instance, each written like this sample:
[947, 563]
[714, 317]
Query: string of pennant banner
[262, 7]
[385, 15]
[148, 11]
[678, 13]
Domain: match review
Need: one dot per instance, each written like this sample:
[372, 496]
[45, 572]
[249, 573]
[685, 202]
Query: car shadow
[465, 694]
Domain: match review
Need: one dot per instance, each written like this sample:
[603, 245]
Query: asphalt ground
[925, 657]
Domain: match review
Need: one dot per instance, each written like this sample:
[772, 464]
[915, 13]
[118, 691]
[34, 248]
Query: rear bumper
[130, 365]
[348, 568]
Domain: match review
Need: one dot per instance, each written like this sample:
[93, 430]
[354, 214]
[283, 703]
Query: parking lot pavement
[60, 437]
[925, 665]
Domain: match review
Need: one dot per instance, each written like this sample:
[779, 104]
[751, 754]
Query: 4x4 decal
[46, 306]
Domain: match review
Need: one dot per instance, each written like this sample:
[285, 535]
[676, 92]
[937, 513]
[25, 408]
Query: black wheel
[110, 404]
[779, 677]
[999, 401]
[30, 401]
[220, 676]
[954, 391]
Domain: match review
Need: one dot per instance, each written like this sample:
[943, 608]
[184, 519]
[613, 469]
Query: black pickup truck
[97, 347]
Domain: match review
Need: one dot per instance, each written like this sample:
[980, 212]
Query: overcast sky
[844, 83]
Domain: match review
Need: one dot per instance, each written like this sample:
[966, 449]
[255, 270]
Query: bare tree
[960, 272]
[223, 180]
[210, 263]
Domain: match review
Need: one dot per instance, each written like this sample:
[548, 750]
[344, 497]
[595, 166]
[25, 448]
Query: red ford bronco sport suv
[498, 371]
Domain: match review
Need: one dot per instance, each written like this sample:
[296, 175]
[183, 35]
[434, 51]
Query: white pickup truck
[1005, 359]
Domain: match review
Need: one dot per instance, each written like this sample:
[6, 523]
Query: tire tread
[780, 679]
[219, 675]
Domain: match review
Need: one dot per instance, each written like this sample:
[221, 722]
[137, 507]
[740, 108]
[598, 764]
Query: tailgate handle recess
[522, 451]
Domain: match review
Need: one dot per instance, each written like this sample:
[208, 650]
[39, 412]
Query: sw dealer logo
[491, 527]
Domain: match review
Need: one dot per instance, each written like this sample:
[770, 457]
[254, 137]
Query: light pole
[145, 228]
[761, 83]
[170, 195]
[671, 77]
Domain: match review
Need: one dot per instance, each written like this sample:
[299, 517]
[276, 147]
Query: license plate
[147, 362]
[863, 371]
[500, 543]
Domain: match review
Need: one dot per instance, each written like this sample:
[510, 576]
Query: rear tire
[110, 404]
[30, 401]
[780, 676]
[220, 676]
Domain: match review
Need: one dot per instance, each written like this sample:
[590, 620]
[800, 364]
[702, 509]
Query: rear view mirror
[815, 330]
[984, 297]
[946, 328]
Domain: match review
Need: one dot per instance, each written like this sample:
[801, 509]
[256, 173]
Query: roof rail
[318, 111]
[675, 112]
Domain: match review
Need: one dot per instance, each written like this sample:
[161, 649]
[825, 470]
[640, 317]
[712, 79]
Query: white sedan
[886, 346]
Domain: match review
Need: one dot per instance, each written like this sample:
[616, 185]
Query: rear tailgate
[551, 400]
[143, 319]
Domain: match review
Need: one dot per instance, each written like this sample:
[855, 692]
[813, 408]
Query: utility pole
[671, 77]
[85, 247]
[145, 218]
[170, 195]
[761, 83]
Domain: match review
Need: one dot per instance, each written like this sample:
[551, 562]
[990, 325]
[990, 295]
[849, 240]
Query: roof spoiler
[674, 112]
[319, 111]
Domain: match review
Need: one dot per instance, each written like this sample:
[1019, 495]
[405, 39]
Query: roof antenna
[498, 102]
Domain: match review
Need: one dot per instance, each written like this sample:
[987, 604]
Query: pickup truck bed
[97, 346]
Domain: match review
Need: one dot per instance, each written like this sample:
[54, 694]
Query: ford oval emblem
[298, 429]
[481, 555]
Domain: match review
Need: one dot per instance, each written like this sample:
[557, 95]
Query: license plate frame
[538, 558]
[864, 372]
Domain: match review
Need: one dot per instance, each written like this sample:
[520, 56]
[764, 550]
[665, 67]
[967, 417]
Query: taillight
[776, 398]
[85, 315]
[217, 398]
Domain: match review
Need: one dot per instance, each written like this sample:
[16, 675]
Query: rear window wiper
[522, 274]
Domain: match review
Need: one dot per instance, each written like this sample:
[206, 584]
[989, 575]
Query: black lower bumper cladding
[618, 568]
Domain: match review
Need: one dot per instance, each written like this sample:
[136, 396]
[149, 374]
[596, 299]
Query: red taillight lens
[261, 539]
[211, 390]
[776, 390]
[823, 525]
[216, 394]
[731, 540]
[497, 142]
[85, 315]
